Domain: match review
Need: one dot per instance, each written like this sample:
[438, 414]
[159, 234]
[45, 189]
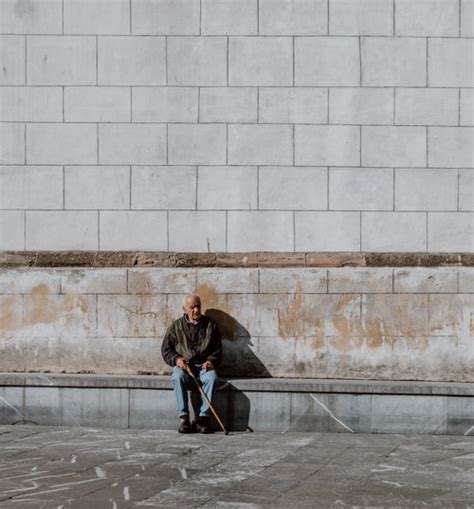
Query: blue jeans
[182, 382]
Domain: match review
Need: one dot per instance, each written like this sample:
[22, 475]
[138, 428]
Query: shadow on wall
[239, 358]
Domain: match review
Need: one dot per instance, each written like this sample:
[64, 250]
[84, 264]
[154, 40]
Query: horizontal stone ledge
[298, 385]
[96, 259]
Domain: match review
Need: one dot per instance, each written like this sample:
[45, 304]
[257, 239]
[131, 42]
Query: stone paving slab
[66, 467]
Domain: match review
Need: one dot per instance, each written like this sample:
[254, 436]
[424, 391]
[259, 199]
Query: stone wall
[378, 323]
[236, 125]
[326, 132]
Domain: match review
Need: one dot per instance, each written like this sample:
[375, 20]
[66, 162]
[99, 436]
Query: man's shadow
[238, 360]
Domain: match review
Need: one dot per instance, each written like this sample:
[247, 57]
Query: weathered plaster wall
[237, 125]
[404, 323]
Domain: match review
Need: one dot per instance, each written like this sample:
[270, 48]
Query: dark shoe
[202, 425]
[185, 426]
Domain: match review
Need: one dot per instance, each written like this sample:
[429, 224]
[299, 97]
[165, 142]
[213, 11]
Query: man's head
[192, 306]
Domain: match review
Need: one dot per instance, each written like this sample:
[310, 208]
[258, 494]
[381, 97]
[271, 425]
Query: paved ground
[88, 468]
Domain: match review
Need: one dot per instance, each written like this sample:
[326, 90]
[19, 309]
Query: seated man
[193, 340]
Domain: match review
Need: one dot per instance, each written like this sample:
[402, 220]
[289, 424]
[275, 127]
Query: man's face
[193, 308]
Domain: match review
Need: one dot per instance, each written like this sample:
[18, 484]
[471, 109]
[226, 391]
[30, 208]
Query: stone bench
[263, 404]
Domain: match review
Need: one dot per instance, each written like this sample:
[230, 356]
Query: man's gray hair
[189, 297]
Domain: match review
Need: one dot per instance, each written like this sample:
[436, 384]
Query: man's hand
[181, 363]
[208, 365]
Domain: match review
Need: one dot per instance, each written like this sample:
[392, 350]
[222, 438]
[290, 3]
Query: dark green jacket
[196, 343]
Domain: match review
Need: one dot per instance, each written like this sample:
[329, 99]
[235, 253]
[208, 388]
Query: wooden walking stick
[203, 394]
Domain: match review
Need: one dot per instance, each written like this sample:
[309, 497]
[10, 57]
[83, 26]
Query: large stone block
[327, 231]
[390, 316]
[365, 17]
[260, 231]
[360, 106]
[393, 231]
[153, 409]
[165, 17]
[466, 107]
[197, 231]
[425, 280]
[67, 230]
[451, 231]
[34, 17]
[12, 412]
[26, 280]
[360, 280]
[452, 315]
[227, 17]
[94, 407]
[12, 230]
[467, 15]
[450, 62]
[164, 104]
[426, 106]
[228, 104]
[293, 188]
[31, 104]
[54, 316]
[12, 144]
[305, 280]
[97, 187]
[360, 188]
[333, 413]
[319, 316]
[227, 187]
[427, 18]
[131, 315]
[327, 61]
[161, 280]
[269, 411]
[271, 351]
[94, 281]
[327, 145]
[466, 280]
[11, 314]
[42, 405]
[264, 61]
[290, 17]
[97, 17]
[132, 144]
[96, 104]
[426, 358]
[393, 62]
[393, 146]
[421, 189]
[229, 280]
[31, 187]
[466, 190]
[12, 60]
[130, 230]
[61, 143]
[409, 414]
[197, 61]
[256, 314]
[293, 105]
[66, 60]
[451, 147]
[131, 60]
[163, 187]
[196, 144]
[260, 144]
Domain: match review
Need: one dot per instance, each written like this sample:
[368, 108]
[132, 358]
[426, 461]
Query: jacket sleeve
[215, 346]
[168, 347]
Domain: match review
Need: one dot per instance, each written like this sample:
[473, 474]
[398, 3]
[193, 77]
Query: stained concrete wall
[378, 323]
[236, 125]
